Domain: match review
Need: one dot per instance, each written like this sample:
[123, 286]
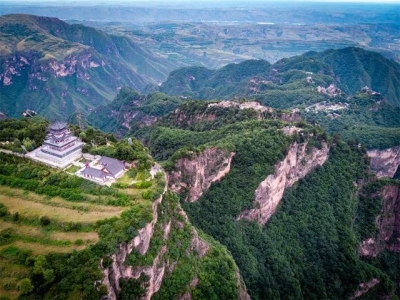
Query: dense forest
[59, 234]
[308, 249]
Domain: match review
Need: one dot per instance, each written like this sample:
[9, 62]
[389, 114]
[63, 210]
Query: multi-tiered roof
[60, 141]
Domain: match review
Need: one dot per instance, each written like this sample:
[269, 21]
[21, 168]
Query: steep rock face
[193, 175]
[385, 162]
[56, 68]
[388, 223]
[364, 287]
[119, 269]
[162, 265]
[296, 165]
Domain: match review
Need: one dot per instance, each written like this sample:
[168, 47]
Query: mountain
[365, 117]
[56, 69]
[65, 237]
[291, 81]
[295, 207]
[131, 110]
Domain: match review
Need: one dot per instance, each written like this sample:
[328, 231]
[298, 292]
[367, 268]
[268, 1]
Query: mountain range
[263, 180]
[291, 81]
[57, 69]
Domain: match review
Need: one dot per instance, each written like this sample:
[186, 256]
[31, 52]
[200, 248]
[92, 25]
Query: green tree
[25, 286]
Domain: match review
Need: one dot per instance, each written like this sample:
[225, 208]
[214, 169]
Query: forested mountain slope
[366, 117]
[303, 241]
[291, 81]
[56, 69]
[64, 237]
[131, 110]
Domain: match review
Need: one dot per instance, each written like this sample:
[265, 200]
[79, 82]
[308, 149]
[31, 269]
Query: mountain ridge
[55, 68]
[350, 69]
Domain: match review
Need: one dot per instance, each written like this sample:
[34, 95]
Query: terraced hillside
[46, 211]
[65, 237]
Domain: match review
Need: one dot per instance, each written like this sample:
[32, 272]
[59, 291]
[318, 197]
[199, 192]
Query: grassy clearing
[72, 169]
[126, 179]
[38, 248]
[33, 205]
[35, 209]
[41, 233]
[10, 274]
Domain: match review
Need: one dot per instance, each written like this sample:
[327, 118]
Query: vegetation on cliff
[308, 249]
[56, 68]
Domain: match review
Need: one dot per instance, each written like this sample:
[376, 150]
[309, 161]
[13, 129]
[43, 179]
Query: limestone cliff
[195, 174]
[388, 224]
[118, 268]
[364, 287]
[297, 164]
[177, 244]
[385, 162]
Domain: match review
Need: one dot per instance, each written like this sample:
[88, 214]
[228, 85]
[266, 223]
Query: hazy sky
[196, 2]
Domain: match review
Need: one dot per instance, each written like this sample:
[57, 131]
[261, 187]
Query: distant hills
[291, 81]
[56, 69]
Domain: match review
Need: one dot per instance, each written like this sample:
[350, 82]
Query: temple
[61, 147]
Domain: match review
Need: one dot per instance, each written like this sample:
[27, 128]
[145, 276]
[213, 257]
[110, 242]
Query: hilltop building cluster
[61, 149]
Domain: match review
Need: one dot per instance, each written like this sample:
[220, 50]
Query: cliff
[162, 252]
[387, 223]
[56, 68]
[119, 269]
[193, 175]
[296, 165]
[385, 163]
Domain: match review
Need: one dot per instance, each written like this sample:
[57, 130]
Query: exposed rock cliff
[177, 244]
[385, 162]
[388, 224]
[262, 111]
[296, 165]
[193, 175]
[119, 269]
[364, 287]
[56, 68]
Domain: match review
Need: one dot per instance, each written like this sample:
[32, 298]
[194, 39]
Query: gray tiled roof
[93, 172]
[114, 166]
[58, 125]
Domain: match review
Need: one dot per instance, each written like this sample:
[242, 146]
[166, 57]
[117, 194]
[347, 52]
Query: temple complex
[60, 147]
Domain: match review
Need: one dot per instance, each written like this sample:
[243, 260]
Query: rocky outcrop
[118, 268]
[364, 288]
[388, 223]
[263, 111]
[297, 164]
[385, 162]
[244, 105]
[195, 174]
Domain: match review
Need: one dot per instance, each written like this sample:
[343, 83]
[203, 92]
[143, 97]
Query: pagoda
[61, 147]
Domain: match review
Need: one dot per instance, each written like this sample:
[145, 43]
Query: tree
[125, 152]
[25, 286]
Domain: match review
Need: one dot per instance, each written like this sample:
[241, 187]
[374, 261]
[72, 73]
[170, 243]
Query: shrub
[15, 217]
[3, 210]
[78, 242]
[142, 184]
[44, 221]
[25, 286]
